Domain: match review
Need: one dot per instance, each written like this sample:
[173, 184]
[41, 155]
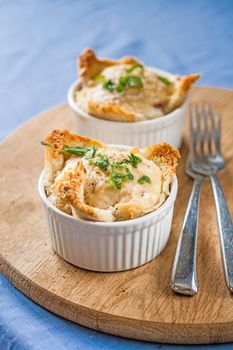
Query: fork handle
[184, 275]
[225, 226]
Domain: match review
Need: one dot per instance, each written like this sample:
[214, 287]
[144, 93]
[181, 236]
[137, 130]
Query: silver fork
[184, 274]
[208, 160]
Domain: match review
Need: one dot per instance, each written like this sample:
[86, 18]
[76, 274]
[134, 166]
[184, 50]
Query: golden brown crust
[163, 155]
[57, 139]
[54, 157]
[71, 189]
[182, 85]
[89, 65]
[109, 111]
[187, 80]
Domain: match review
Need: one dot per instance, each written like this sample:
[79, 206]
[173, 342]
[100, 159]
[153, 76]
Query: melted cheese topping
[131, 200]
[145, 103]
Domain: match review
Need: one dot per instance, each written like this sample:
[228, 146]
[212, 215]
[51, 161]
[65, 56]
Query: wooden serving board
[138, 303]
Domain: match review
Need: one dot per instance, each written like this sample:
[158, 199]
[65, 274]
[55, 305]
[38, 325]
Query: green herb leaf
[120, 165]
[91, 152]
[129, 174]
[45, 144]
[131, 81]
[135, 82]
[101, 161]
[143, 179]
[77, 151]
[165, 80]
[119, 88]
[133, 160]
[123, 80]
[134, 66]
[116, 178]
[108, 85]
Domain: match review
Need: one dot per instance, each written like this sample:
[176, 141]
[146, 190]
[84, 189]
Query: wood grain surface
[138, 303]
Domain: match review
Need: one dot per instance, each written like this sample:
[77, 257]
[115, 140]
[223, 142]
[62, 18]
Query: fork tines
[205, 130]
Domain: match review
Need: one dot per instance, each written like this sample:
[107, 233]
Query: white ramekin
[166, 128]
[109, 246]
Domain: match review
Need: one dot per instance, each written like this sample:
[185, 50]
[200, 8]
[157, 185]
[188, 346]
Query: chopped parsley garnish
[116, 179]
[123, 80]
[101, 161]
[165, 80]
[90, 154]
[133, 160]
[134, 66]
[132, 81]
[80, 151]
[119, 165]
[108, 85]
[129, 174]
[45, 144]
[119, 88]
[143, 179]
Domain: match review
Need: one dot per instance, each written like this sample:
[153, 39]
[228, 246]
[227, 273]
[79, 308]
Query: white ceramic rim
[171, 199]
[154, 121]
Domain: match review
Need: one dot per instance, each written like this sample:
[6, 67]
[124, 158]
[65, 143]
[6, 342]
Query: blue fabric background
[39, 43]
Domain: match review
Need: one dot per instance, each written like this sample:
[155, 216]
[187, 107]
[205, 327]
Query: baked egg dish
[90, 180]
[125, 90]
